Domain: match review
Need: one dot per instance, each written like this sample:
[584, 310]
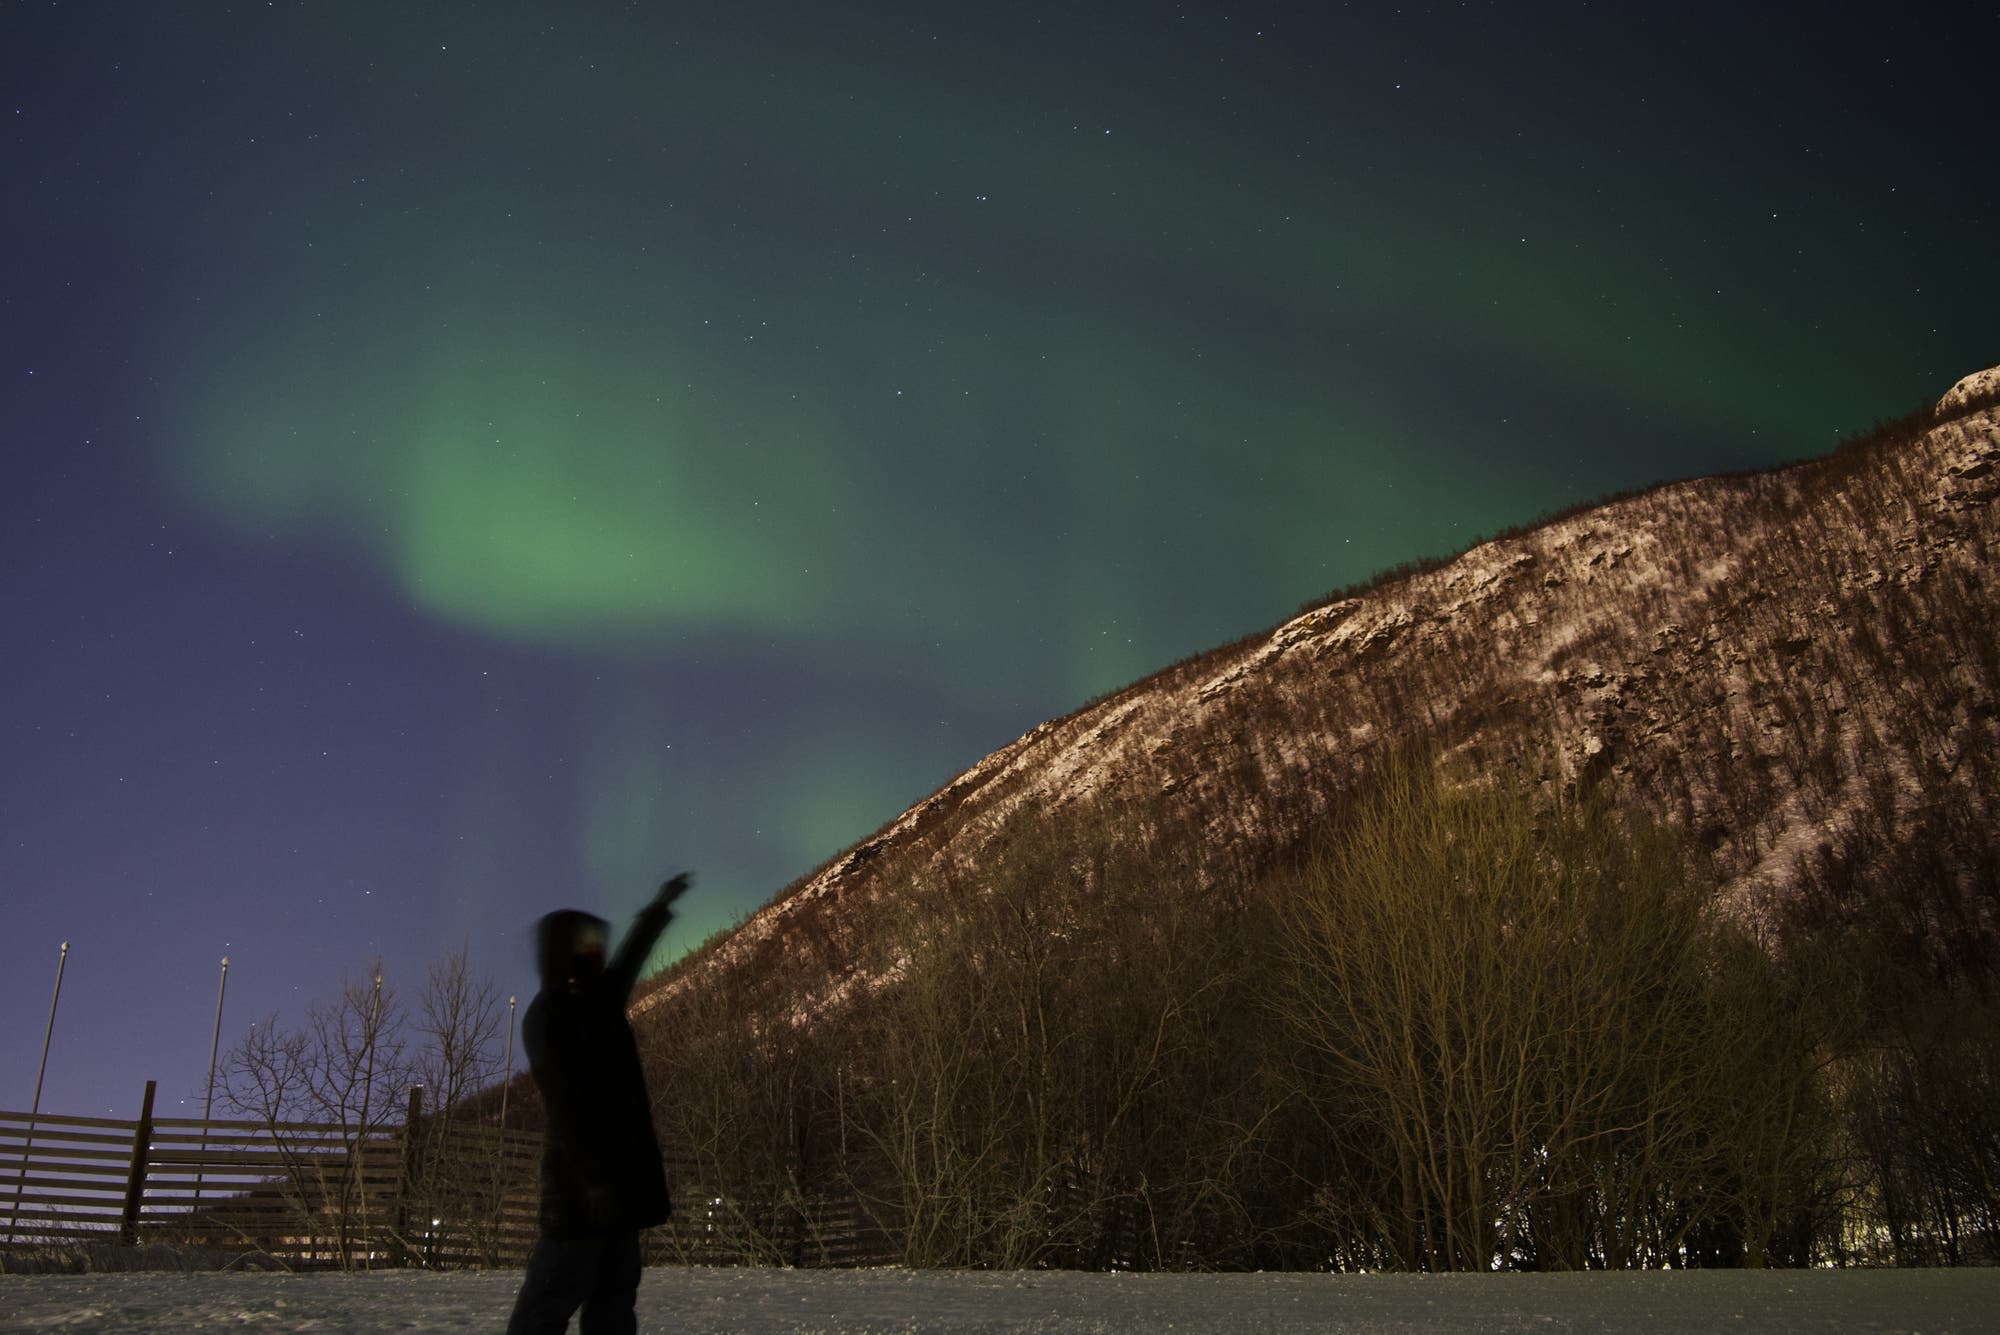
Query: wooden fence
[424, 1192]
[714, 1225]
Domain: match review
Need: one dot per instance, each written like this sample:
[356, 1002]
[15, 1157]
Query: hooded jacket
[601, 1169]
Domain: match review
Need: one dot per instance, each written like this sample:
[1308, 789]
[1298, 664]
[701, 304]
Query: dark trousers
[598, 1274]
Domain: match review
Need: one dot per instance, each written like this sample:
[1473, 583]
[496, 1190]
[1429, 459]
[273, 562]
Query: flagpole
[208, 1100]
[507, 1081]
[28, 1140]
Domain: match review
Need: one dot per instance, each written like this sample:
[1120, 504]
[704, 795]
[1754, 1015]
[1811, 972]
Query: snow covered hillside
[1796, 667]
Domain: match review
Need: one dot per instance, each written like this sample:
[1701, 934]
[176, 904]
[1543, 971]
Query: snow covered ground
[900, 1300]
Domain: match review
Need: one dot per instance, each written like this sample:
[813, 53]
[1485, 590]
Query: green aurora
[465, 459]
[1021, 399]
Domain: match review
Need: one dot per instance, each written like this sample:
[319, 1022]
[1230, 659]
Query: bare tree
[343, 1068]
[457, 1032]
[1528, 1037]
[1039, 1073]
[458, 1174]
[734, 1085]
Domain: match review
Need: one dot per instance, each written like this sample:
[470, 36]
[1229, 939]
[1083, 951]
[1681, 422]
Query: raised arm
[623, 972]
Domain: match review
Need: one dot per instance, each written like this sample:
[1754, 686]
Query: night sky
[462, 460]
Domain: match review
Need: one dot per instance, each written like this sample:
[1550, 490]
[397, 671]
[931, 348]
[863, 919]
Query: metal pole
[361, 1132]
[368, 1073]
[28, 1140]
[215, 1039]
[507, 1082]
[208, 1100]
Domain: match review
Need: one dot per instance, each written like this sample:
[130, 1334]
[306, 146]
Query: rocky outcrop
[1979, 388]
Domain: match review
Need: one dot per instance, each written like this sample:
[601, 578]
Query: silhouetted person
[601, 1176]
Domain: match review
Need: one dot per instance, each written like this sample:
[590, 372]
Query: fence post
[406, 1180]
[135, 1180]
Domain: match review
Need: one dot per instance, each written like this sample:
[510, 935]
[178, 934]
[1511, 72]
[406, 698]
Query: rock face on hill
[1799, 669]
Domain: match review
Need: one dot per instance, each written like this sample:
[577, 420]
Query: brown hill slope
[1798, 667]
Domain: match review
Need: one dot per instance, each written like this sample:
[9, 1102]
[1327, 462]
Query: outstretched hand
[673, 888]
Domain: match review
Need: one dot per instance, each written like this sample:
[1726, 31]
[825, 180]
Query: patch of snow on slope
[1978, 385]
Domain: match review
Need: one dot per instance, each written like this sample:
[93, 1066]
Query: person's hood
[557, 937]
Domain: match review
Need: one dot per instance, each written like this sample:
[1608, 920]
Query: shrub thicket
[1468, 1026]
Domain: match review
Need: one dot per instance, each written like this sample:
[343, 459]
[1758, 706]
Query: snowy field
[900, 1300]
